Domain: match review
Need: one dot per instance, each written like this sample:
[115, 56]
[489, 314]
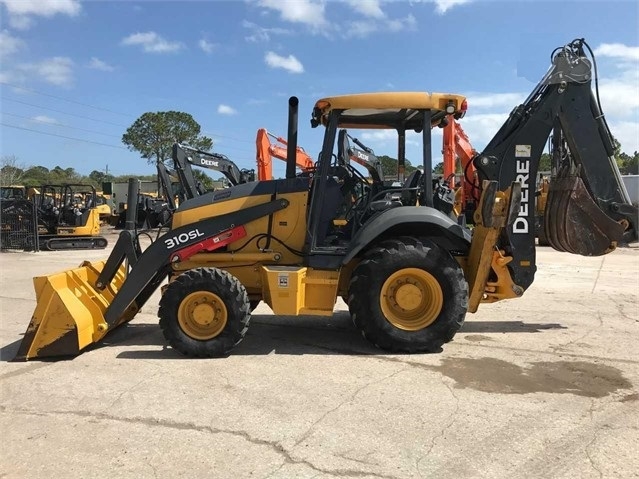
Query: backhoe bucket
[69, 313]
[574, 223]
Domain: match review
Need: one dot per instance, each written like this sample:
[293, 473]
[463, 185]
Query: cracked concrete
[542, 386]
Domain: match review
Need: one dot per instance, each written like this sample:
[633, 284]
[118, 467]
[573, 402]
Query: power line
[63, 112]
[59, 124]
[62, 136]
[64, 99]
[229, 137]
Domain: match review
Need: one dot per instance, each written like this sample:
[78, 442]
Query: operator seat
[409, 198]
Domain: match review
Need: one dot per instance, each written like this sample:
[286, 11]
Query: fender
[416, 220]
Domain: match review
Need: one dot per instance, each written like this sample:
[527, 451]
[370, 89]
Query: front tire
[408, 295]
[204, 312]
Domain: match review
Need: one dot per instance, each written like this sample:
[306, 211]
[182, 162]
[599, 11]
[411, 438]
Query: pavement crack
[128, 390]
[452, 417]
[349, 399]
[274, 446]
[27, 369]
[603, 259]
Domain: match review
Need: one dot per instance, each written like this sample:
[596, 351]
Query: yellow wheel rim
[202, 315]
[411, 299]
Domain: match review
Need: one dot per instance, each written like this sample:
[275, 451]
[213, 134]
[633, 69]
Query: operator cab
[344, 197]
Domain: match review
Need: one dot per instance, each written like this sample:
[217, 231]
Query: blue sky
[86, 70]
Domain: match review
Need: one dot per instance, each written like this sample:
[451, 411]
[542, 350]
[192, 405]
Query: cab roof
[388, 109]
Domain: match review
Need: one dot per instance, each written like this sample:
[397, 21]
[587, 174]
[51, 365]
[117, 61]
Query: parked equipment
[185, 156]
[266, 151]
[68, 218]
[410, 273]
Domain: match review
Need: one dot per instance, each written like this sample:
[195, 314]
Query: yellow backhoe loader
[408, 271]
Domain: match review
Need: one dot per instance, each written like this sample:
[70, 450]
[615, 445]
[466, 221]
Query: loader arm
[590, 211]
[78, 307]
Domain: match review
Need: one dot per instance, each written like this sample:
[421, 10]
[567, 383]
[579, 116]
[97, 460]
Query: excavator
[266, 151]
[455, 144]
[409, 272]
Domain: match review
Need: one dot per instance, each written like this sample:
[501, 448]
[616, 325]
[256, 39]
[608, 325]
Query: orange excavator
[266, 151]
[457, 145]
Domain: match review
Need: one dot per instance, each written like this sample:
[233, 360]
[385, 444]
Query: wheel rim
[411, 299]
[202, 315]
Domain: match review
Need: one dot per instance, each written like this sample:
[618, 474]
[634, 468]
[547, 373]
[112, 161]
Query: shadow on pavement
[270, 334]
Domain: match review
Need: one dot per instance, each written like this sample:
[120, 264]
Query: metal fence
[18, 225]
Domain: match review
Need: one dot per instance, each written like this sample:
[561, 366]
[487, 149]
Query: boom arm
[266, 151]
[366, 157]
[184, 157]
[590, 209]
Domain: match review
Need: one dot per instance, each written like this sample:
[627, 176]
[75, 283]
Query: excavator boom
[266, 151]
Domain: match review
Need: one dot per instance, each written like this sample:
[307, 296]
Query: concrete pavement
[541, 386]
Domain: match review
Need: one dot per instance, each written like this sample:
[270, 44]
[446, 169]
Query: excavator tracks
[74, 243]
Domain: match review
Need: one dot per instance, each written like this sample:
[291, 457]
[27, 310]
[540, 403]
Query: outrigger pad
[573, 221]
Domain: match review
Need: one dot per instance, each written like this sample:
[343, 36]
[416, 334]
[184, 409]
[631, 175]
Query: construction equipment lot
[545, 386]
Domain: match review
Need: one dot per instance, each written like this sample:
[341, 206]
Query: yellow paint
[411, 299]
[291, 290]
[66, 301]
[202, 315]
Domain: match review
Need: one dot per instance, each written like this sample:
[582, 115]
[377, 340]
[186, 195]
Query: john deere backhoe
[409, 273]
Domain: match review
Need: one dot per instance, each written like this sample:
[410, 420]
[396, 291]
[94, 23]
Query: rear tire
[204, 312]
[408, 295]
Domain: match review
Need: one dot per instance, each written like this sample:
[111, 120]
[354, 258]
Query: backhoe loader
[409, 273]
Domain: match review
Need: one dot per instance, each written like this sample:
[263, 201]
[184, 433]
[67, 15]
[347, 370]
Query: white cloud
[363, 28]
[226, 110]
[617, 50]
[494, 100]
[619, 98]
[97, 64]
[21, 12]
[9, 44]
[442, 6]
[45, 119]
[298, 11]
[261, 34]
[206, 46]
[56, 70]
[368, 8]
[151, 42]
[289, 63]
[627, 133]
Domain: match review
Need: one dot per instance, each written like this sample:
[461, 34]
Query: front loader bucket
[69, 313]
[574, 223]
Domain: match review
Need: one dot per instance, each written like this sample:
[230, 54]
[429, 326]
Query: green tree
[153, 134]
[438, 169]
[203, 178]
[389, 166]
[545, 162]
[11, 173]
[628, 165]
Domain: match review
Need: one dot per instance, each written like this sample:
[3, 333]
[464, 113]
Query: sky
[76, 74]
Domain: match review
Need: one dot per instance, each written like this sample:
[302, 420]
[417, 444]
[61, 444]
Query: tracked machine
[68, 218]
[408, 271]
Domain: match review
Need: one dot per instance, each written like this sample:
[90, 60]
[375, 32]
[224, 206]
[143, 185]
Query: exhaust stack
[291, 147]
